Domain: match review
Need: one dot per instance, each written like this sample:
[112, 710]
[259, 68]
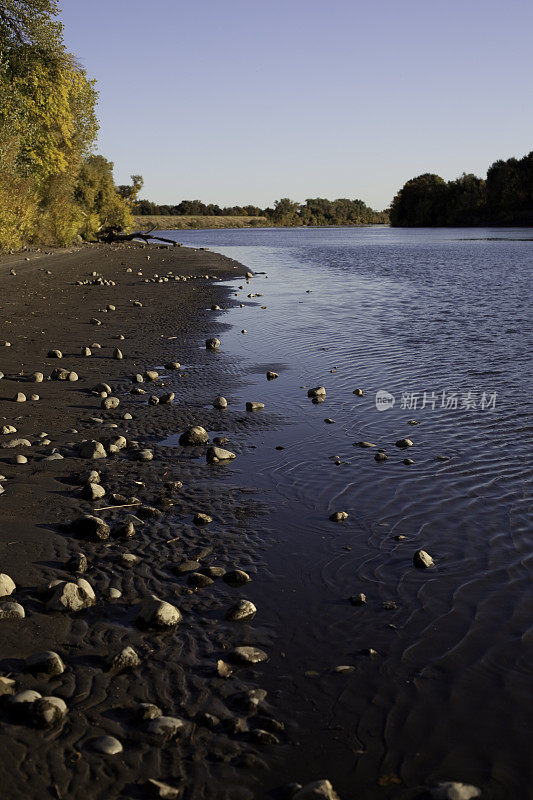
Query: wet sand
[216, 752]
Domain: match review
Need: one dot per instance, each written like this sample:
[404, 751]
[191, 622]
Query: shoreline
[44, 309]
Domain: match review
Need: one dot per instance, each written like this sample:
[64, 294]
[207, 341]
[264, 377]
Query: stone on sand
[92, 449]
[236, 577]
[195, 435]
[245, 654]
[241, 610]
[107, 745]
[11, 610]
[212, 344]
[216, 454]
[7, 585]
[271, 376]
[220, 402]
[164, 727]
[91, 527]
[110, 403]
[253, 406]
[316, 790]
[453, 790]
[69, 596]
[404, 443]
[423, 560]
[339, 516]
[92, 491]
[48, 711]
[127, 658]
[45, 663]
[156, 613]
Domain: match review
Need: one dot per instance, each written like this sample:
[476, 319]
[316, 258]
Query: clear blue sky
[238, 101]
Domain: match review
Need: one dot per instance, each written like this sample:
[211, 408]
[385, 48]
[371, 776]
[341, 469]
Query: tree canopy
[48, 127]
[505, 197]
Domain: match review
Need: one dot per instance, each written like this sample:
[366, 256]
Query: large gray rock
[165, 727]
[422, 560]
[195, 435]
[46, 663]
[7, 585]
[127, 658]
[48, 711]
[241, 610]
[69, 596]
[11, 610]
[156, 613]
[91, 527]
[216, 454]
[92, 449]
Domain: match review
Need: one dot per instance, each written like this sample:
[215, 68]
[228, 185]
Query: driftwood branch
[111, 235]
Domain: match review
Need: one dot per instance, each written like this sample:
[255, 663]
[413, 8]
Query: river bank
[57, 301]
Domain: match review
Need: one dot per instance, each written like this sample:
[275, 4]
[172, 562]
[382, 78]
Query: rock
[116, 443]
[46, 663]
[25, 698]
[153, 400]
[92, 491]
[252, 406]
[91, 527]
[318, 391]
[17, 443]
[185, 566]
[202, 519]
[224, 670]
[317, 790]
[358, 392]
[199, 580]
[156, 613]
[147, 512]
[6, 429]
[329, 421]
[68, 596]
[101, 387]
[404, 443]
[144, 711]
[236, 577]
[263, 737]
[195, 435]
[37, 377]
[453, 790]
[20, 397]
[7, 585]
[423, 560]
[20, 459]
[128, 559]
[55, 354]
[249, 275]
[123, 530]
[339, 516]
[11, 610]
[77, 563]
[48, 711]
[271, 376]
[164, 727]
[212, 344]
[408, 461]
[34, 397]
[173, 365]
[7, 686]
[151, 375]
[145, 455]
[95, 321]
[380, 457]
[161, 790]
[54, 457]
[113, 593]
[86, 352]
[241, 610]
[220, 402]
[117, 354]
[363, 444]
[127, 658]
[247, 655]
[358, 599]
[107, 745]
[250, 700]
[92, 449]
[167, 398]
[213, 572]
[216, 454]
[110, 403]
[72, 376]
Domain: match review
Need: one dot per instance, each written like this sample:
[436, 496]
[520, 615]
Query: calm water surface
[448, 694]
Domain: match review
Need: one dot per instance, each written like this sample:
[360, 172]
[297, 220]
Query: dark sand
[40, 311]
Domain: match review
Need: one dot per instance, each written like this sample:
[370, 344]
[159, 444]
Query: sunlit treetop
[30, 22]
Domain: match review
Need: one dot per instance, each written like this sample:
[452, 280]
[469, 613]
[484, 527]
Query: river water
[439, 323]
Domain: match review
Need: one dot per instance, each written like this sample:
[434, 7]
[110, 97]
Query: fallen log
[111, 235]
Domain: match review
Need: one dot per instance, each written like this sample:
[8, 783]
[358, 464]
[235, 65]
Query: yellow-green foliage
[51, 188]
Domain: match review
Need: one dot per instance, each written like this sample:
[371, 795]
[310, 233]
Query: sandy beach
[208, 745]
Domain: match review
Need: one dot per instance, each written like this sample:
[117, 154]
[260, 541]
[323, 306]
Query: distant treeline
[315, 211]
[505, 197]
